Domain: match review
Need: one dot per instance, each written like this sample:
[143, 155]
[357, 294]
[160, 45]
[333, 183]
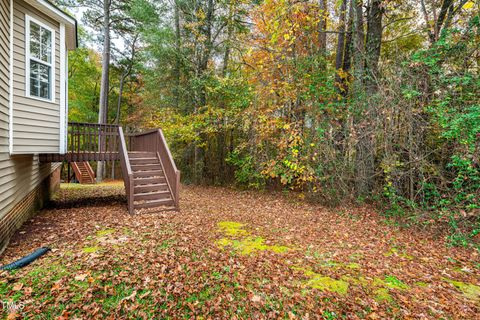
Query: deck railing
[154, 141]
[126, 170]
[90, 140]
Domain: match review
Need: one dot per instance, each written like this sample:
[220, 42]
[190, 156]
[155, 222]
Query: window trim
[52, 65]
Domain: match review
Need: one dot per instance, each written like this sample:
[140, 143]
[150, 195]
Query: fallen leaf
[18, 286]
[81, 277]
[13, 315]
[132, 296]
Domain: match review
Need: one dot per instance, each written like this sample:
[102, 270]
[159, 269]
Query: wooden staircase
[151, 188]
[83, 172]
[152, 181]
[151, 178]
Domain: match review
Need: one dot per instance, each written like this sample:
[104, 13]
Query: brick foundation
[28, 207]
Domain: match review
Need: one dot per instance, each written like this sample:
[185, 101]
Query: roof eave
[58, 14]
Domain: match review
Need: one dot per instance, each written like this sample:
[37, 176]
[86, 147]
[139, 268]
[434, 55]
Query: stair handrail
[126, 170]
[90, 171]
[171, 171]
[77, 172]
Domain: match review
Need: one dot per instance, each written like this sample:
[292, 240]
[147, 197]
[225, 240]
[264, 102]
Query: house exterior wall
[36, 123]
[24, 181]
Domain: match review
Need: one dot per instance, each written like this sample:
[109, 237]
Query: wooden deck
[149, 172]
[80, 156]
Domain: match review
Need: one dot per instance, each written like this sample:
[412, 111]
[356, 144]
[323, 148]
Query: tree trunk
[226, 56]
[437, 23]
[205, 56]
[222, 134]
[374, 42]
[125, 74]
[347, 62]
[446, 6]
[322, 27]
[120, 93]
[177, 56]
[104, 88]
[364, 151]
[347, 59]
[340, 49]
[203, 59]
[359, 47]
[117, 117]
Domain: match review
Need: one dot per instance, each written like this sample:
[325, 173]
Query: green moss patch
[380, 288]
[469, 290]
[328, 284]
[421, 284]
[382, 294]
[91, 249]
[339, 265]
[395, 252]
[324, 283]
[360, 281]
[242, 242]
[391, 282]
[105, 232]
[231, 228]
[352, 265]
[250, 245]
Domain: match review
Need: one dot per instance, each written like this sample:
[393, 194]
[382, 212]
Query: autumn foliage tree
[349, 100]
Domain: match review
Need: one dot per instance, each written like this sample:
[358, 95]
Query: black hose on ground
[20, 263]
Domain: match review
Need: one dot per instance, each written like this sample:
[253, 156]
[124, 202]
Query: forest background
[342, 101]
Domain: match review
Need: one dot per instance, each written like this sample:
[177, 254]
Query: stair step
[133, 155]
[157, 195]
[83, 172]
[150, 187]
[145, 174]
[146, 167]
[145, 160]
[154, 203]
[150, 180]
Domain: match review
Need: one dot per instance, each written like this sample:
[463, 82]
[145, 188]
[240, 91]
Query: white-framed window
[40, 60]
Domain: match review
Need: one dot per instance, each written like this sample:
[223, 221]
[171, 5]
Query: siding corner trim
[10, 83]
[63, 84]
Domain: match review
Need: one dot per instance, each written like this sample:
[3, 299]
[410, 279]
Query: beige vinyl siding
[19, 175]
[4, 52]
[31, 115]
[4, 76]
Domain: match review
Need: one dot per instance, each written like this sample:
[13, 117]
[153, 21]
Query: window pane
[34, 32]
[34, 86]
[44, 72]
[46, 47]
[44, 90]
[35, 49]
[40, 43]
[34, 40]
[34, 72]
[40, 80]
[46, 54]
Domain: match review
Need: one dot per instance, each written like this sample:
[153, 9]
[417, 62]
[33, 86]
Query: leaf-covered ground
[232, 254]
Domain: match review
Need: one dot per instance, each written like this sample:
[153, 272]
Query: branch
[401, 36]
[397, 20]
[452, 13]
